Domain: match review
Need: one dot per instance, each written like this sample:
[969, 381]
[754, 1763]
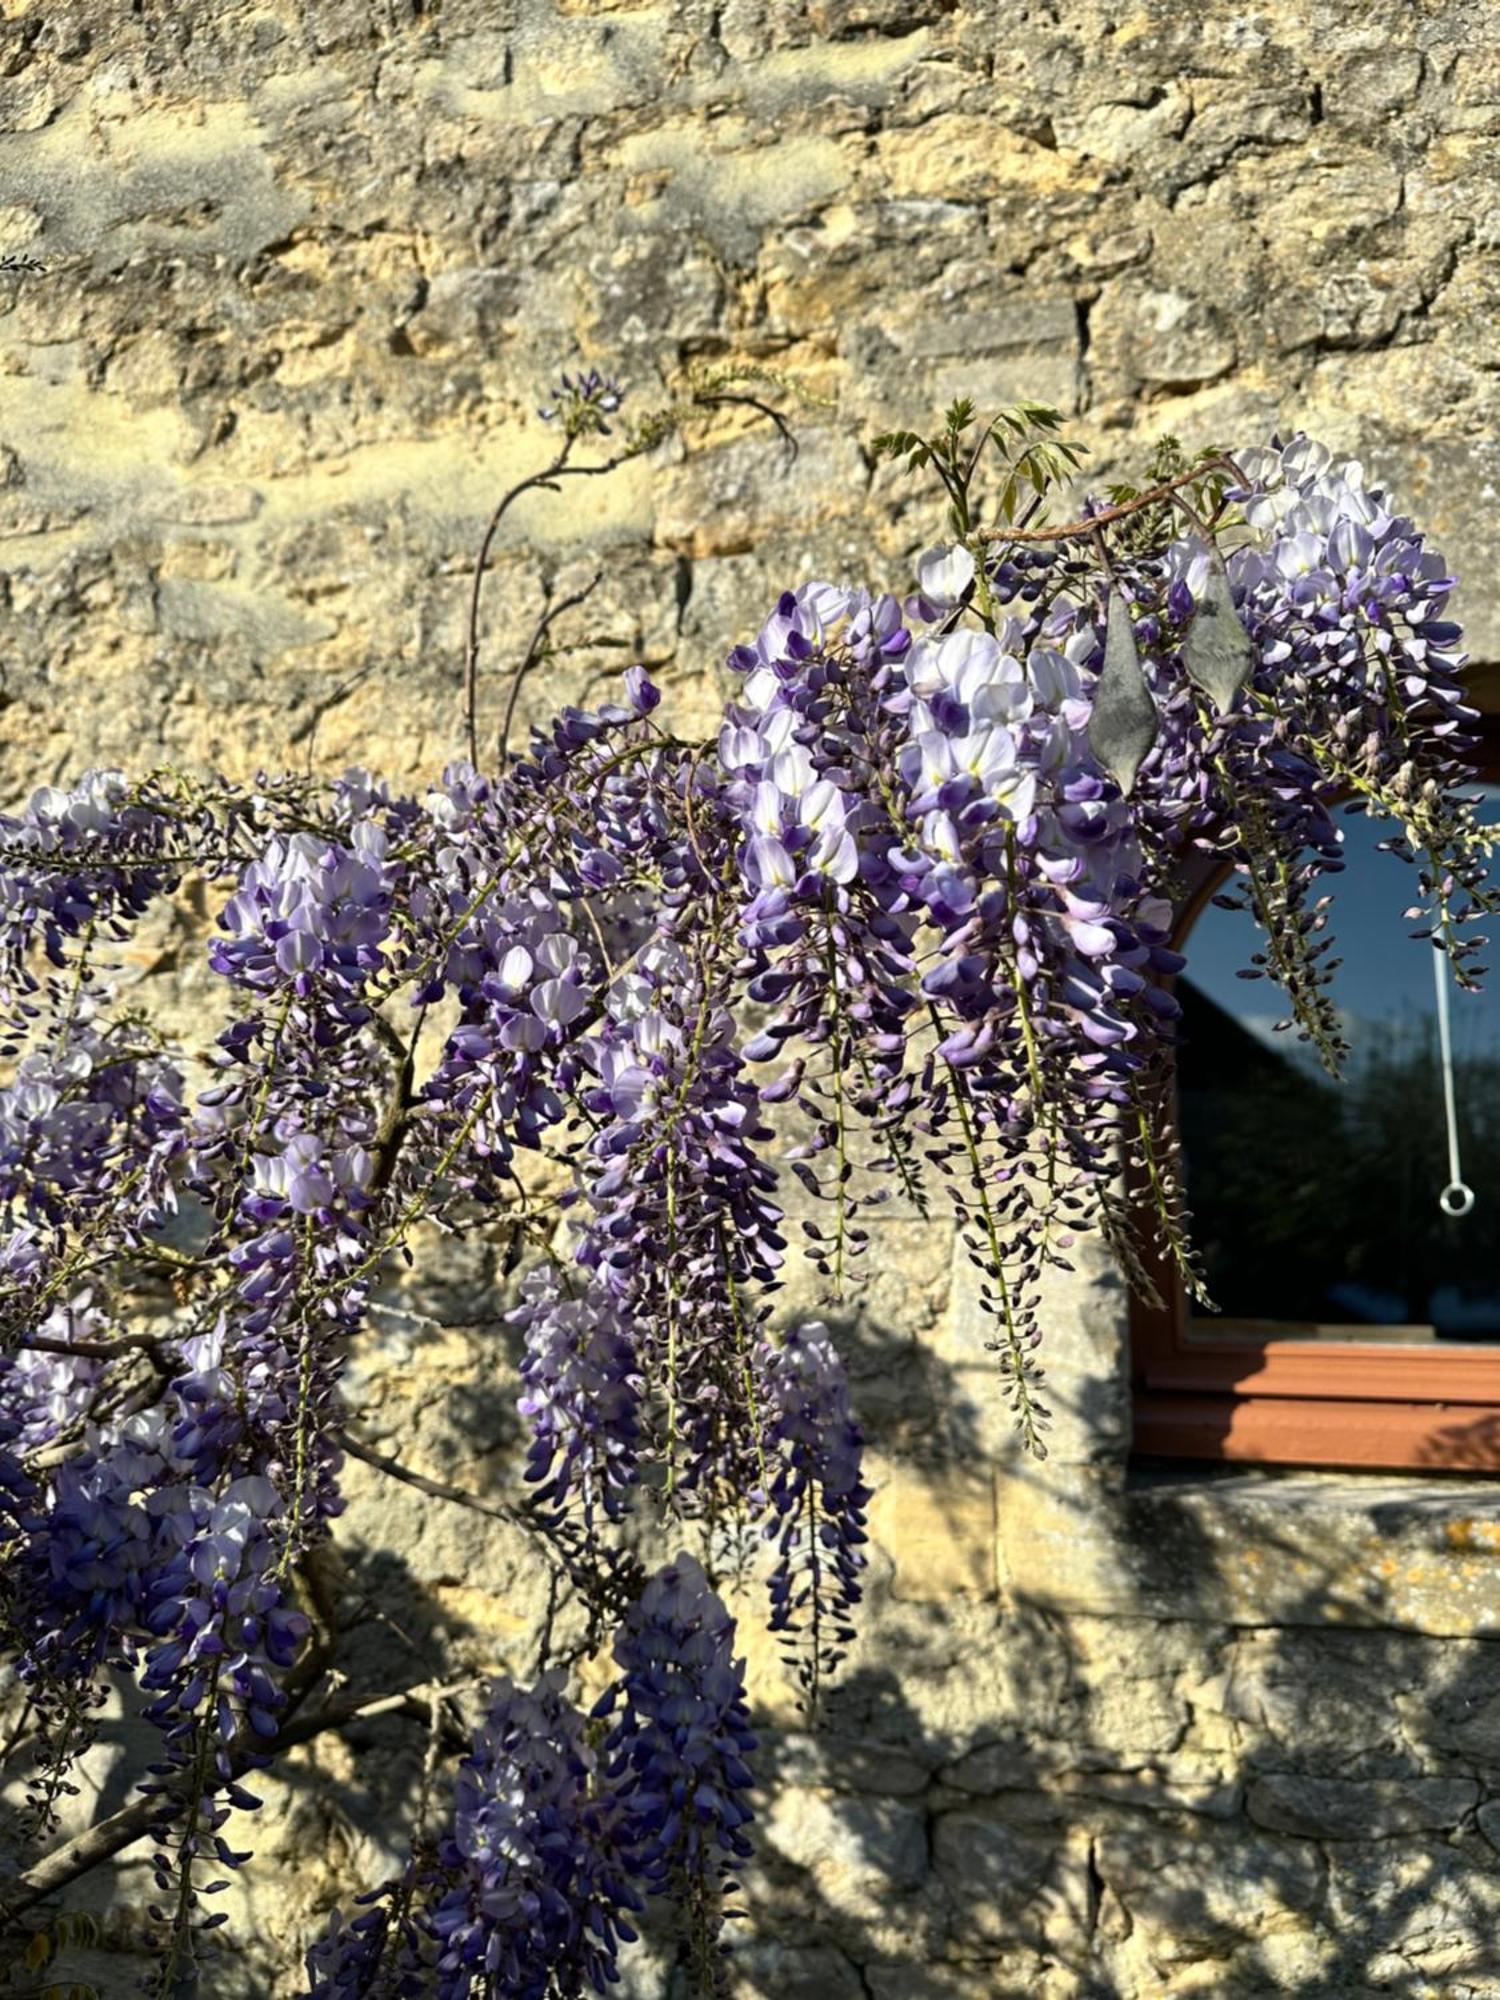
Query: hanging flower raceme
[1359, 666]
[600, 804]
[309, 912]
[816, 1499]
[807, 752]
[347, 1960]
[539, 1858]
[582, 1400]
[647, 1356]
[678, 1752]
[46, 1389]
[94, 1111]
[218, 1612]
[528, 987]
[75, 1550]
[561, 1830]
[222, 1634]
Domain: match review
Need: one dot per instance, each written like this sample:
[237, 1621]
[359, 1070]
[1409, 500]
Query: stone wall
[308, 265]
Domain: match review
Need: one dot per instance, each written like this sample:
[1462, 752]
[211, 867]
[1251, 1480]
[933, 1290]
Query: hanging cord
[1457, 1198]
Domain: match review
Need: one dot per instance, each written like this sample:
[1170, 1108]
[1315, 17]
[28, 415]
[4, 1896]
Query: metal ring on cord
[1457, 1198]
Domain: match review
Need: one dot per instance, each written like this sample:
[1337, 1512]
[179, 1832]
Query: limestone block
[1290, 1697]
[772, 1971]
[1008, 1885]
[1155, 339]
[850, 1867]
[1016, 1976]
[1196, 1894]
[830, 1760]
[1164, 1785]
[1303, 1550]
[720, 503]
[1122, 132]
[848, 18]
[937, 1527]
[1430, 1904]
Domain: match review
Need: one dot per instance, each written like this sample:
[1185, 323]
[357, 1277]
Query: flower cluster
[582, 1397]
[1359, 664]
[900, 930]
[582, 402]
[75, 861]
[647, 1355]
[561, 1832]
[679, 1749]
[83, 1116]
[539, 1856]
[45, 1391]
[308, 912]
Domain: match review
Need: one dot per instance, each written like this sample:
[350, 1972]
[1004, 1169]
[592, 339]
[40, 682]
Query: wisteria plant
[906, 922]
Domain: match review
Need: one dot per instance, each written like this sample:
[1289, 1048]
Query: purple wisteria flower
[79, 1118]
[539, 1857]
[582, 1397]
[816, 1499]
[582, 402]
[679, 1749]
[309, 910]
[74, 861]
[901, 929]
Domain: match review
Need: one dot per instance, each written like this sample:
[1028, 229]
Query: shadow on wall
[1008, 1800]
[1001, 1800]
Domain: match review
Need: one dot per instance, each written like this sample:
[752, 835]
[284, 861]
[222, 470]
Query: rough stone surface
[309, 264]
[1370, 1809]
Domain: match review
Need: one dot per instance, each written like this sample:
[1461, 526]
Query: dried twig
[543, 481]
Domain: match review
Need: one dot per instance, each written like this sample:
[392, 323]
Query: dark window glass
[1316, 1204]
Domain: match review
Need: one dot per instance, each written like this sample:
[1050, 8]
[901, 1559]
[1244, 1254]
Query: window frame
[1269, 1401]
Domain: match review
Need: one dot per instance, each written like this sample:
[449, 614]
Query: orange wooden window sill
[1292, 1402]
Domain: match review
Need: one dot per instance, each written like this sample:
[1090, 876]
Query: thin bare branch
[529, 657]
[544, 481]
[436, 1489]
[710, 399]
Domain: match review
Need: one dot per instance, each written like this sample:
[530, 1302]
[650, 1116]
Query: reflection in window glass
[1315, 1203]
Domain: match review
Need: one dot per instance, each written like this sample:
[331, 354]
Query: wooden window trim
[1242, 1397]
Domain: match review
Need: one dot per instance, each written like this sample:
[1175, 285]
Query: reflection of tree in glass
[1318, 1202]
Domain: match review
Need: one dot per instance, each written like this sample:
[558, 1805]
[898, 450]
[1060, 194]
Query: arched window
[1350, 1230]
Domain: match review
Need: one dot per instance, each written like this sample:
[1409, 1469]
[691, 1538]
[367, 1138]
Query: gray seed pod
[1123, 726]
[1216, 648]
